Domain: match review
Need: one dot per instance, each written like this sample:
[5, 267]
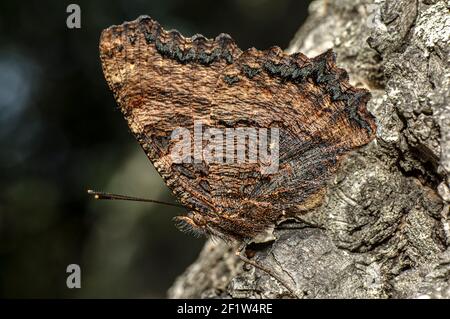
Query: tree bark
[383, 230]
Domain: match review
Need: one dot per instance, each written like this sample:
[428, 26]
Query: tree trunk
[384, 230]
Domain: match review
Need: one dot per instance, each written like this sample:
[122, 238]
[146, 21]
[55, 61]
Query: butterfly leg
[241, 254]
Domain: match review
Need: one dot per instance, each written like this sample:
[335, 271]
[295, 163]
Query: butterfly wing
[163, 81]
[158, 90]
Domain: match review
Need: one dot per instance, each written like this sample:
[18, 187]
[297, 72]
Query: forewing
[163, 81]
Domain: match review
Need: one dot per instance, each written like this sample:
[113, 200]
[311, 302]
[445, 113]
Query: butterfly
[291, 119]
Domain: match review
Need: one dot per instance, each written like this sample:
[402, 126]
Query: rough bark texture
[383, 230]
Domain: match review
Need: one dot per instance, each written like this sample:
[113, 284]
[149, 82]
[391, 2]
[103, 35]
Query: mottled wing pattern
[162, 81]
[322, 117]
[158, 89]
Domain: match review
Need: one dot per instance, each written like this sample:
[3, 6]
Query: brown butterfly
[164, 82]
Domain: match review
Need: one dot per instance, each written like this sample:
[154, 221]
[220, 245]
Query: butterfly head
[193, 223]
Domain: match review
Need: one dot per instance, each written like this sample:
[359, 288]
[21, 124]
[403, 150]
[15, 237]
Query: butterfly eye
[198, 220]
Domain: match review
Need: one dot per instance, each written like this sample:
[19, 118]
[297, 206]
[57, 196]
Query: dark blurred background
[60, 134]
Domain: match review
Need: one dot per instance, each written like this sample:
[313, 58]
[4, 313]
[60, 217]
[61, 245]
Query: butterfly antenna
[111, 196]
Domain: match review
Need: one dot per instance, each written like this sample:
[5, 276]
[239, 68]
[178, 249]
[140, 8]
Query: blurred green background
[60, 134]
